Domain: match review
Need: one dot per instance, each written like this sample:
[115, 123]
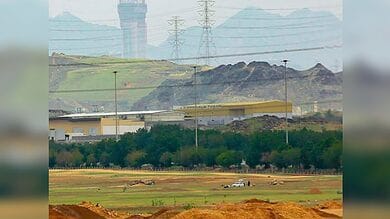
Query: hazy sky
[159, 11]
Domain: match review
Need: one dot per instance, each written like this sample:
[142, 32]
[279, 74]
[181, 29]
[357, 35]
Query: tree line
[172, 145]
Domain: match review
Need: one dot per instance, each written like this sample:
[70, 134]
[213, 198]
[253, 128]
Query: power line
[276, 18]
[103, 38]
[100, 38]
[180, 85]
[281, 9]
[287, 24]
[220, 17]
[202, 57]
[187, 10]
[278, 28]
[280, 44]
[175, 34]
[181, 11]
[269, 36]
[72, 29]
[84, 48]
[206, 12]
[94, 27]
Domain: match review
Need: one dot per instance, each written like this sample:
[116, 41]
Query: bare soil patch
[253, 208]
[315, 191]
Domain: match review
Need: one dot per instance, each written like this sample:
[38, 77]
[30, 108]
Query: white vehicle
[239, 183]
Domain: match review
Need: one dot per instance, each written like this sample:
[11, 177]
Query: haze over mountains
[163, 85]
[248, 82]
[71, 35]
[250, 30]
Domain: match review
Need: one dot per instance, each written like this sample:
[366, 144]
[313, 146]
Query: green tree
[228, 158]
[166, 159]
[292, 156]
[77, 158]
[209, 155]
[135, 158]
[104, 159]
[276, 158]
[90, 159]
[332, 155]
[289, 156]
[64, 159]
[52, 158]
[166, 143]
[187, 156]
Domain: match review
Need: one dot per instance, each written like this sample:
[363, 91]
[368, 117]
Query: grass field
[183, 189]
[131, 74]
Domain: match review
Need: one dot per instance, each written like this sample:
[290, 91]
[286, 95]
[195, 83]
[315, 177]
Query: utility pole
[116, 109]
[175, 33]
[285, 95]
[300, 118]
[196, 110]
[206, 12]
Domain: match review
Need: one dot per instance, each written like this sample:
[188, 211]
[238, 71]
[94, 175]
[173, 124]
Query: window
[78, 130]
[93, 131]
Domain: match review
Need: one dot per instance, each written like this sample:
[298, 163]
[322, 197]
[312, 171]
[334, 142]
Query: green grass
[131, 74]
[181, 189]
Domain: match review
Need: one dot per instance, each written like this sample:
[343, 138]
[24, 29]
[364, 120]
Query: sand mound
[315, 191]
[83, 210]
[331, 205]
[254, 209]
[72, 212]
[165, 213]
[249, 209]
[106, 213]
[136, 217]
[255, 201]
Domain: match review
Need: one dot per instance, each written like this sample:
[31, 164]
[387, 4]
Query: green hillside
[136, 78]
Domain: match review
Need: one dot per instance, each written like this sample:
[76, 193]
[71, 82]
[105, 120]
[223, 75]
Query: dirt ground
[191, 195]
[249, 209]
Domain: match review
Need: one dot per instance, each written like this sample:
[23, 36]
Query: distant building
[53, 113]
[96, 126]
[224, 113]
[315, 107]
[132, 15]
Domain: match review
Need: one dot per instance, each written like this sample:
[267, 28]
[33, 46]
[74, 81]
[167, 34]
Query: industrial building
[224, 113]
[95, 126]
[132, 15]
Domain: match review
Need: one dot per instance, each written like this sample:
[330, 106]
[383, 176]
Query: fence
[286, 171]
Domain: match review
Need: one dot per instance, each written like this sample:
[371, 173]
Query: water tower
[132, 15]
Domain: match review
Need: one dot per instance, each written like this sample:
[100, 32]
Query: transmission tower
[175, 33]
[206, 22]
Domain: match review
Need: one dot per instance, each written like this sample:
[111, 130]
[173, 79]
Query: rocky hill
[329, 120]
[248, 82]
[69, 73]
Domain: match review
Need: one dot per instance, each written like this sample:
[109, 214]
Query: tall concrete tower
[132, 15]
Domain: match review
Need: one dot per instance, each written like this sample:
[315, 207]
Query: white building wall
[110, 130]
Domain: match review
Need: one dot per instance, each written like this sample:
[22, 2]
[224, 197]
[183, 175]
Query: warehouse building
[96, 126]
[224, 113]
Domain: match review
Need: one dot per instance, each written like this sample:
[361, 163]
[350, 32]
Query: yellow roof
[236, 104]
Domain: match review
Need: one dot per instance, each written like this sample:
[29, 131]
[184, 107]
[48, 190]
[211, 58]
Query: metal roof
[83, 115]
[232, 104]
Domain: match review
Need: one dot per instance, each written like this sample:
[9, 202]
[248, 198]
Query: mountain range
[250, 30]
[249, 82]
